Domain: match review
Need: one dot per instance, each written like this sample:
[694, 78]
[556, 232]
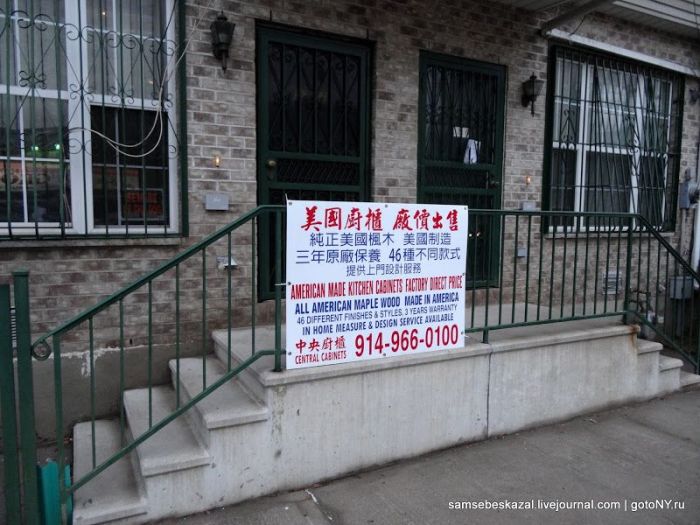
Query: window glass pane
[101, 14]
[105, 195]
[136, 17]
[126, 40]
[102, 60]
[8, 42]
[103, 121]
[9, 126]
[130, 186]
[566, 122]
[567, 101]
[45, 140]
[141, 17]
[38, 181]
[656, 117]
[46, 10]
[607, 186]
[39, 66]
[45, 128]
[48, 191]
[11, 190]
[613, 113]
[652, 188]
[563, 187]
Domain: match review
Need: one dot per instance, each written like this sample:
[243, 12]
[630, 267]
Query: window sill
[88, 242]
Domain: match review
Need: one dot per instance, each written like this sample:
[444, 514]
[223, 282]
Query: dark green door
[313, 118]
[460, 148]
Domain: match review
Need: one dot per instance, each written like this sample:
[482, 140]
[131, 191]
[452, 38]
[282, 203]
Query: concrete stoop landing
[263, 431]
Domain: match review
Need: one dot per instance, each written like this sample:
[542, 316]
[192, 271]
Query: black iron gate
[313, 122]
[460, 147]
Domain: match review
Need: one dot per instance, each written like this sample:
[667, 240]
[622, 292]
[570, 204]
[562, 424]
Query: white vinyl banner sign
[370, 280]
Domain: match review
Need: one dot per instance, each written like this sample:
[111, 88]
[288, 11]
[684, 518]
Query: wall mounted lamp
[694, 96]
[221, 37]
[532, 88]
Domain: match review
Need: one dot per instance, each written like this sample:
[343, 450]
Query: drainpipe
[695, 257]
[695, 261]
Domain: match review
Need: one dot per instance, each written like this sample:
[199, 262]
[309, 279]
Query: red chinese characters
[420, 220]
[452, 220]
[332, 218]
[311, 221]
[401, 222]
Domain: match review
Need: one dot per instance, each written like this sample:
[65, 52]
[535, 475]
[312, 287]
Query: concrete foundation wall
[328, 421]
[532, 385]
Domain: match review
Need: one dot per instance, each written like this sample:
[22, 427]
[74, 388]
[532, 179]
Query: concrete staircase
[169, 473]
[226, 449]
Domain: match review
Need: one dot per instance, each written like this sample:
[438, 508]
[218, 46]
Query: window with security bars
[87, 140]
[615, 140]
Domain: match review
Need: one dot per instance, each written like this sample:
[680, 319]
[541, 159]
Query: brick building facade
[68, 275]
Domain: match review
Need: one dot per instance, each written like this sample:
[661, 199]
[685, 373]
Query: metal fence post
[7, 405]
[278, 291]
[628, 273]
[26, 399]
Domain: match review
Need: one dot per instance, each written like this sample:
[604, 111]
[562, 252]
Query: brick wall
[221, 121]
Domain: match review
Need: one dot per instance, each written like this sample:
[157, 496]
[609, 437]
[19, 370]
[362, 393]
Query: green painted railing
[8, 403]
[540, 267]
[211, 293]
[553, 267]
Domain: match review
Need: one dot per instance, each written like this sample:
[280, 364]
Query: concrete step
[644, 346]
[688, 379]
[669, 374]
[174, 447]
[667, 363]
[241, 345]
[229, 405]
[115, 494]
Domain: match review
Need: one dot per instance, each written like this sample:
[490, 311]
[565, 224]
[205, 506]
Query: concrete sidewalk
[637, 456]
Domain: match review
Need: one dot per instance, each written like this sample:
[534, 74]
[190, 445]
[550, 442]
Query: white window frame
[586, 109]
[80, 163]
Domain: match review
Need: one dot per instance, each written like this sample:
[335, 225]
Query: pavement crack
[328, 514]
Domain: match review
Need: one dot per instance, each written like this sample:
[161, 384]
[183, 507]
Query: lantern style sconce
[694, 96]
[221, 37]
[532, 88]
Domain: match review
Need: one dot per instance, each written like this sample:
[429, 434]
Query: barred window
[615, 142]
[87, 142]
